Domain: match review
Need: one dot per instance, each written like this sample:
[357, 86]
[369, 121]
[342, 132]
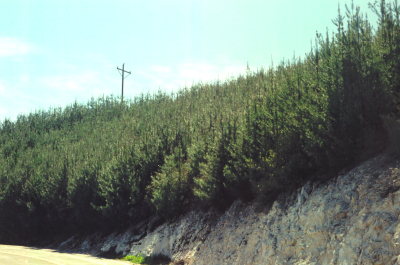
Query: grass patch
[138, 259]
[149, 260]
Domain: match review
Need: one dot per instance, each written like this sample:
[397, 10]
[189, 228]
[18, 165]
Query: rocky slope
[352, 219]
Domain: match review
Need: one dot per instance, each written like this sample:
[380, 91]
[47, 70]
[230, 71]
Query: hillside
[351, 219]
[109, 165]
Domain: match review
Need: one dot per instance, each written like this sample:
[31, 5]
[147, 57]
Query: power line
[122, 74]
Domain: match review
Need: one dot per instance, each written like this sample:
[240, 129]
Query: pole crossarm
[124, 71]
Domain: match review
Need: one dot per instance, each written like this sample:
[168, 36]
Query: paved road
[16, 255]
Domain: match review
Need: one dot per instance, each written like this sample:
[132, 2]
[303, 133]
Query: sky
[55, 52]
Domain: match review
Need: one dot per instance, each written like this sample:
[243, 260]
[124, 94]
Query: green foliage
[139, 259]
[170, 187]
[108, 164]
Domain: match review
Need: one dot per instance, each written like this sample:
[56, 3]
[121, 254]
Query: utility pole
[122, 74]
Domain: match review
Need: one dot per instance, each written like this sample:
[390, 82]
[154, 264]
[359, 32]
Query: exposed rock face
[352, 219]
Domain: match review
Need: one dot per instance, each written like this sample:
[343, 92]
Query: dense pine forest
[109, 164]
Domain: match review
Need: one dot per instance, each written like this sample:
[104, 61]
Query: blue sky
[55, 52]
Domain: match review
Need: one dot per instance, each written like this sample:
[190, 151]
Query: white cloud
[200, 71]
[209, 72]
[28, 93]
[65, 89]
[71, 83]
[185, 74]
[160, 69]
[13, 46]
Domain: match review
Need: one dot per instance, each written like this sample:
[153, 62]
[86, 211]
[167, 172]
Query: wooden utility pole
[122, 74]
